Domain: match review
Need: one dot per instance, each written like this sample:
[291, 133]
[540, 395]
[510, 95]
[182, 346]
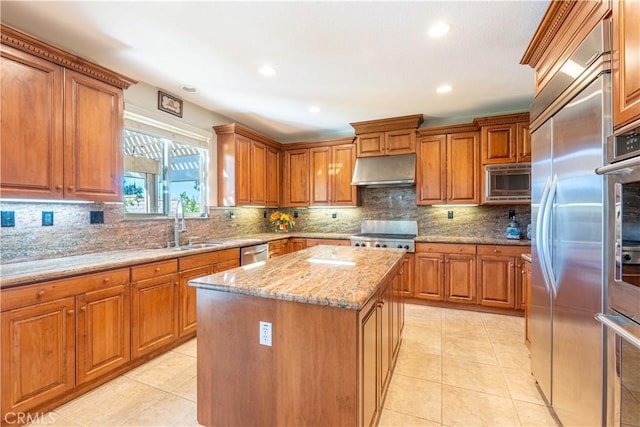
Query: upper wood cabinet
[387, 137]
[296, 178]
[448, 166]
[248, 167]
[626, 62]
[505, 139]
[331, 169]
[61, 123]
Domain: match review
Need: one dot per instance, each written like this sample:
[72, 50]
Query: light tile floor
[455, 368]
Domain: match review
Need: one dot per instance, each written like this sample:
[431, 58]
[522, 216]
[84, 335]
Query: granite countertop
[339, 276]
[472, 240]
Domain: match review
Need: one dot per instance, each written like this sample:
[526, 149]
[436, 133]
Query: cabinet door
[92, 139]
[463, 168]
[397, 315]
[429, 277]
[104, 331]
[273, 177]
[431, 170]
[496, 276]
[319, 179]
[296, 174]
[369, 357]
[460, 281]
[406, 282]
[498, 144]
[626, 62]
[243, 171]
[341, 171]
[154, 308]
[38, 354]
[400, 141]
[526, 285]
[296, 244]
[385, 334]
[188, 307]
[31, 161]
[371, 144]
[523, 142]
[257, 174]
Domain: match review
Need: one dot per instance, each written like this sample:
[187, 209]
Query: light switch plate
[96, 217]
[47, 218]
[8, 218]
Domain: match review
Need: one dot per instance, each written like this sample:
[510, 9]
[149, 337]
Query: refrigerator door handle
[546, 242]
[620, 326]
[539, 241]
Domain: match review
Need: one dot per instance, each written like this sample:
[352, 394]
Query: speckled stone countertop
[339, 276]
[473, 240]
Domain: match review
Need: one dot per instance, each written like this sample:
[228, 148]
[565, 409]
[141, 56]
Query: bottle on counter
[513, 229]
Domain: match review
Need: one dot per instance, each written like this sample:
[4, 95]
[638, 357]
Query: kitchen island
[336, 319]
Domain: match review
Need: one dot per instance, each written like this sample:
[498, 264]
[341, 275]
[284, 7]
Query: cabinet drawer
[193, 261]
[500, 250]
[48, 291]
[449, 248]
[155, 269]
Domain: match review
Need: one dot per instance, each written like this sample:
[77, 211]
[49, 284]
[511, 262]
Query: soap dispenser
[513, 229]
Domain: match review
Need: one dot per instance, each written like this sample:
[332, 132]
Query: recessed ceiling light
[439, 29]
[267, 70]
[314, 109]
[189, 89]
[444, 89]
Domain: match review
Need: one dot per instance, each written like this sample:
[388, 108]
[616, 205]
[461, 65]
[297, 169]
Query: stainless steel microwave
[508, 182]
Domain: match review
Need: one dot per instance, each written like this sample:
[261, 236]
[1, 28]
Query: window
[159, 170]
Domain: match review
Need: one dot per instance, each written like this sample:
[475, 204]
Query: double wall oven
[622, 318]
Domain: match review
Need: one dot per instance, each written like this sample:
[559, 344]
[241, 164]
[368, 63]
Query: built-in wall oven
[622, 318]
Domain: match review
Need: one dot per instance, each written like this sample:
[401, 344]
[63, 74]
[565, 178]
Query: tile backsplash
[73, 234]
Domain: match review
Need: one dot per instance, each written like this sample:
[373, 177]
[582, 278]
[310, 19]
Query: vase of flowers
[282, 222]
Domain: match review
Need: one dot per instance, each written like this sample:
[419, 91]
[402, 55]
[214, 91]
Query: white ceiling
[355, 60]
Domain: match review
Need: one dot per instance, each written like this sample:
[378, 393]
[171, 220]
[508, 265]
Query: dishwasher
[253, 254]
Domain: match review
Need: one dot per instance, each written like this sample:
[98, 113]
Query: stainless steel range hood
[383, 171]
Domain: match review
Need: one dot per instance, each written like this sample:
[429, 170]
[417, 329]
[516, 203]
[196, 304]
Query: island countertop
[339, 276]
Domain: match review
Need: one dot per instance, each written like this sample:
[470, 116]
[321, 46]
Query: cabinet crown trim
[502, 120]
[551, 23]
[441, 130]
[17, 39]
[394, 123]
[239, 129]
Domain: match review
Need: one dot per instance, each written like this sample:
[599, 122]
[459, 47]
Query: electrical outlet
[264, 214]
[334, 215]
[8, 218]
[295, 214]
[265, 333]
[450, 214]
[96, 217]
[512, 213]
[47, 218]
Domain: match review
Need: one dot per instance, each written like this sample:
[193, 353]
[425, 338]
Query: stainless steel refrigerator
[570, 123]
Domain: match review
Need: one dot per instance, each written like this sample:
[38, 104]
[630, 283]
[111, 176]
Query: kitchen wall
[72, 233]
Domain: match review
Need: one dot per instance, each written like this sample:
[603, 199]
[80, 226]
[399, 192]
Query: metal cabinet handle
[40, 293]
[70, 312]
[83, 308]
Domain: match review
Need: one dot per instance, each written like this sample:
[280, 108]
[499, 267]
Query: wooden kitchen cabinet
[60, 334]
[296, 244]
[387, 137]
[38, 354]
[500, 276]
[246, 162]
[278, 248]
[71, 145]
[154, 306]
[448, 166]
[296, 178]
[505, 138]
[626, 62]
[445, 272]
[331, 169]
[194, 266]
[405, 287]
[331, 242]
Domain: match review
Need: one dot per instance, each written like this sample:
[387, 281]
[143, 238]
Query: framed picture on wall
[169, 104]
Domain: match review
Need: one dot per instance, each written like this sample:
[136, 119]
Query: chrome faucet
[183, 227]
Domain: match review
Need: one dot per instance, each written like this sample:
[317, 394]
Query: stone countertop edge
[336, 276]
[22, 273]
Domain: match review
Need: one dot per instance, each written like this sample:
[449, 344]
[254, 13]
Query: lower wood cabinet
[60, 334]
[500, 276]
[405, 287]
[331, 242]
[154, 306]
[445, 272]
[278, 248]
[195, 266]
[526, 286]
